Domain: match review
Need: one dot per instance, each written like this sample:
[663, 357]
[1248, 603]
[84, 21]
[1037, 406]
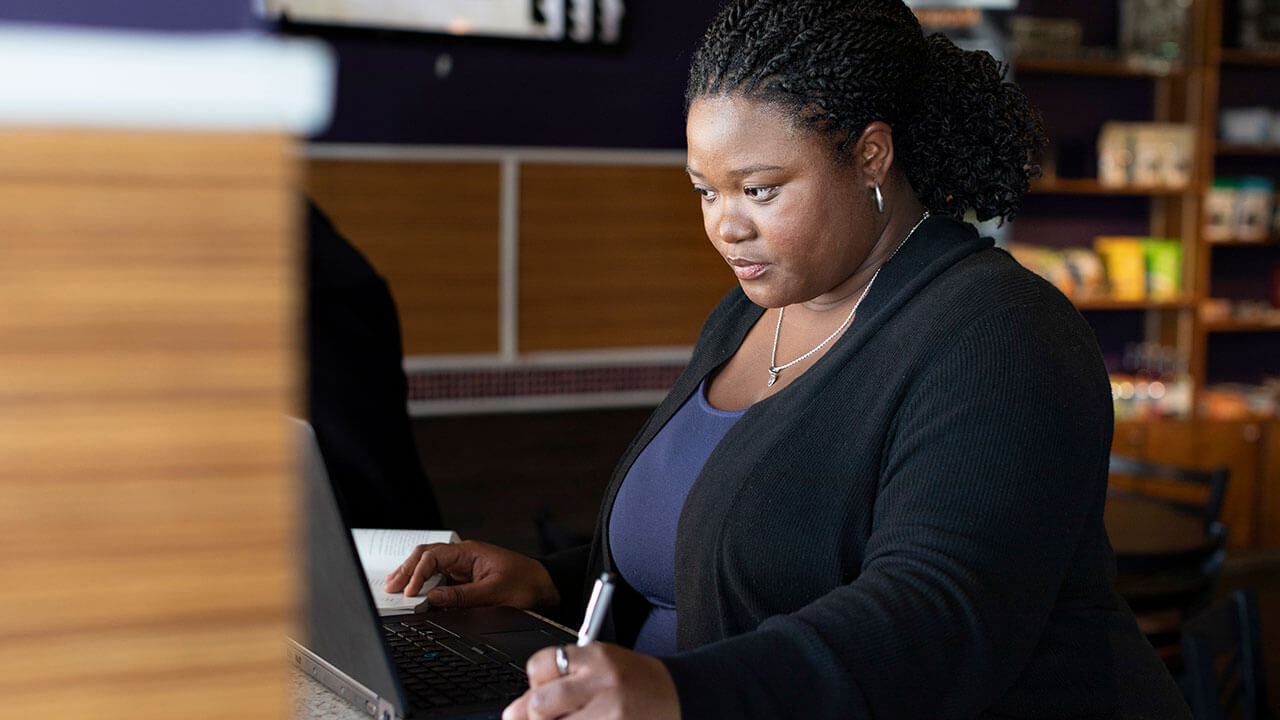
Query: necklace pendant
[773, 377]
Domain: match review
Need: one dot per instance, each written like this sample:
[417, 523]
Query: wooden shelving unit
[1220, 350]
[1104, 68]
[1221, 65]
[1273, 240]
[1108, 304]
[1170, 211]
[1237, 326]
[1188, 94]
[1090, 186]
[1247, 150]
[1249, 58]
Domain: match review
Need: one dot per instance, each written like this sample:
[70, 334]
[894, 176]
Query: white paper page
[382, 550]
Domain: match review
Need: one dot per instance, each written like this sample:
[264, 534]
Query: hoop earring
[879, 199]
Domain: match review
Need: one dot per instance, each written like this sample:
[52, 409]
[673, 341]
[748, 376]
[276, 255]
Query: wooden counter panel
[613, 257]
[1210, 444]
[198, 158]
[148, 351]
[432, 230]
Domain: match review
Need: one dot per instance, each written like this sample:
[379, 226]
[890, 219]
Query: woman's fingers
[450, 559]
[541, 666]
[603, 681]
[484, 575]
[456, 596]
[561, 697]
[422, 563]
[552, 695]
[520, 709]
[398, 578]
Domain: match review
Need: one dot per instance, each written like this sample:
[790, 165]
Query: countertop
[313, 701]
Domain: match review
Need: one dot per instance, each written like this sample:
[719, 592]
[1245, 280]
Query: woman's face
[793, 224]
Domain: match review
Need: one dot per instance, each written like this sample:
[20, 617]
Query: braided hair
[965, 138]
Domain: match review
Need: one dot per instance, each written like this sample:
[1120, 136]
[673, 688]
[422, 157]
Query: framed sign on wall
[579, 21]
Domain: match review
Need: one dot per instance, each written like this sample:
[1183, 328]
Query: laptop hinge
[387, 711]
[341, 683]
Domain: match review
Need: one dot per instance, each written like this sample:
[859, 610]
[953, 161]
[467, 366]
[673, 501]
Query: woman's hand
[604, 681]
[485, 575]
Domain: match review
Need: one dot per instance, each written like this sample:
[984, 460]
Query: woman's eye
[761, 193]
[705, 193]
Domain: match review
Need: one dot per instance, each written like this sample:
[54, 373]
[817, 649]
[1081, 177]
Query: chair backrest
[1165, 586]
[1214, 483]
[1222, 661]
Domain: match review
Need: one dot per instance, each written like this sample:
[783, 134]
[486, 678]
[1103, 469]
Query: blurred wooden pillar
[148, 319]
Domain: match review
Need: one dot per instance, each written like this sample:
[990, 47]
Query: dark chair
[1222, 661]
[1174, 478]
[1164, 586]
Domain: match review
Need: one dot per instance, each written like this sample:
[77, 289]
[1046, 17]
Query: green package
[1164, 267]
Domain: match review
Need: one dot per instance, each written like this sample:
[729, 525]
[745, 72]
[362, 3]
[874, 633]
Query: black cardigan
[912, 528]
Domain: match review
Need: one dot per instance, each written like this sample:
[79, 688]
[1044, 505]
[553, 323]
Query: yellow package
[1126, 266]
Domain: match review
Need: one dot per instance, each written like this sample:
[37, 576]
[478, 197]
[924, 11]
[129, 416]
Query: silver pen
[597, 607]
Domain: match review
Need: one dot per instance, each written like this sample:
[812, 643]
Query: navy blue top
[642, 527]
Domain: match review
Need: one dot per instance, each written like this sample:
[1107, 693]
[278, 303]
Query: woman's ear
[875, 152]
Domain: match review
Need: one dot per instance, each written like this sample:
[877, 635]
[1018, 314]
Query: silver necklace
[774, 368]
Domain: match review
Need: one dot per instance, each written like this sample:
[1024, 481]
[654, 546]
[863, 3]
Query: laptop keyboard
[438, 669]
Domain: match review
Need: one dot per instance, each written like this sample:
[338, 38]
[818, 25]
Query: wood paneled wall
[1207, 445]
[430, 229]
[609, 256]
[148, 309]
[613, 257]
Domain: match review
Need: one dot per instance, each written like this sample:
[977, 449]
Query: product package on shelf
[1124, 259]
[1220, 209]
[1148, 154]
[1043, 37]
[1249, 125]
[1253, 208]
[1240, 209]
[1163, 258]
[1076, 271]
[1259, 26]
[1117, 268]
[1263, 313]
[1153, 33]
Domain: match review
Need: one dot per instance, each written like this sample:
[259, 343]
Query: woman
[877, 489]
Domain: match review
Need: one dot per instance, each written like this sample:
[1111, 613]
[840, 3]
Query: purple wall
[135, 14]
[531, 93]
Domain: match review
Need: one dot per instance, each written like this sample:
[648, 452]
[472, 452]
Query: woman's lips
[746, 269]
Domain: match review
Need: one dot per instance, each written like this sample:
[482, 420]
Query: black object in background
[357, 388]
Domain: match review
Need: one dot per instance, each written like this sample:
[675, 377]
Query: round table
[1142, 526]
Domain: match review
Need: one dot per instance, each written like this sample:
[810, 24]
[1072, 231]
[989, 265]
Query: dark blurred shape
[1222, 652]
[357, 388]
[553, 535]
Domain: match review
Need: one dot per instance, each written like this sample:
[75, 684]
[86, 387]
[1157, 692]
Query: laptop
[464, 663]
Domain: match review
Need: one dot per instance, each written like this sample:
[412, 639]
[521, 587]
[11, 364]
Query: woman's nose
[733, 227]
